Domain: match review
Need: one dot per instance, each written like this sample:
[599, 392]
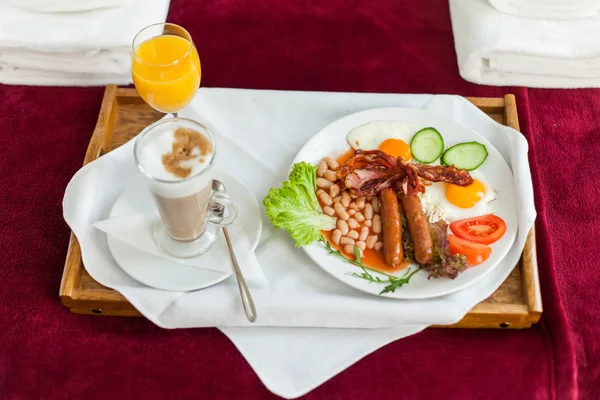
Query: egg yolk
[465, 196]
[396, 148]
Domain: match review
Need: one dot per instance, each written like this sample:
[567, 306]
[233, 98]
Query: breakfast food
[392, 228]
[394, 197]
[415, 189]
[467, 156]
[295, 207]
[418, 229]
[427, 145]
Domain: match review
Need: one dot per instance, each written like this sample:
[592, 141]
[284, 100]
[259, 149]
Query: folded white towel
[494, 48]
[549, 9]
[73, 49]
[51, 6]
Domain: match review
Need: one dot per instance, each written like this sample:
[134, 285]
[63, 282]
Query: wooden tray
[516, 304]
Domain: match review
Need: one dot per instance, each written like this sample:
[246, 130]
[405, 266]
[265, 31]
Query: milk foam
[150, 159]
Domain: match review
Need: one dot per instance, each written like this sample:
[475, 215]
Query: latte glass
[187, 226]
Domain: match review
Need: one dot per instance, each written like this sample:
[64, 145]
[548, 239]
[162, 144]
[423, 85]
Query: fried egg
[452, 202]
[441, 200]
[391, 137]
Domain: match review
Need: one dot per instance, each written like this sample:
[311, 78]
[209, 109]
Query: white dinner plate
[164, 274]
[332, 141]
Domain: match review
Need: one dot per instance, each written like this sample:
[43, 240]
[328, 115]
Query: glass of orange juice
[165, 67]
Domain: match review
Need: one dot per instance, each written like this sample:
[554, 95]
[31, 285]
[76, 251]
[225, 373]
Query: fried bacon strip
[441, 173]
[369, 172]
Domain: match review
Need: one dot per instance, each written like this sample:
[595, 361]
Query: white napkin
[136, 230]
[548, 9]
[73, 49]
[54, 6]
[498, 49]
[259, 133]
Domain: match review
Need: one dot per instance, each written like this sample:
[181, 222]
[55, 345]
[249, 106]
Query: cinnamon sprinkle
[186, 140]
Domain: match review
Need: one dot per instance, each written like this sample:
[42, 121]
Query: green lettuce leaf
[295, 208]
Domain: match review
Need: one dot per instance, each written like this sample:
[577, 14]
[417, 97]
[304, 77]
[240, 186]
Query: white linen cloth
[258, 134]
[498, 49]
[73, 49]
[548, 9]
[55, 6]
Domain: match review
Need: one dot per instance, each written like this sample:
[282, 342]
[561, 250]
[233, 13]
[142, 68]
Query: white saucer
[165, 274]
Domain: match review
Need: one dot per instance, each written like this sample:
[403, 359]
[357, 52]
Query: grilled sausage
[418, 229]
[392, 228]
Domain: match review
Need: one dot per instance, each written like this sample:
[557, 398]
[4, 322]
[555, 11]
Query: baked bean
[321, 168]
[330, 175]
[352, 235]
[340, 211]
[351, 211]
[332, 163]
[336, 236]
[324, 183]
[352, 223]
[342, 226]
[359, 217]
[353, 206]
[345, 198]
[349, 248]
[368, 223]
[378, 246]
[371, 240]
[375, 204]
[364, 233]
[377, 224]
[361, 245]
[336, 199]
[329, 211]
[326, 199]
[334, 190]
[319, 191]
[353, 196]
[346, 240]
[360, 202]
[368, 211]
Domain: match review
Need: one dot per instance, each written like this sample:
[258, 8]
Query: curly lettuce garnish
[295, 208]
[443, 265]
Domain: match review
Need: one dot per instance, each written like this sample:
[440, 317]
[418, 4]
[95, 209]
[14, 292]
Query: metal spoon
[247, 301]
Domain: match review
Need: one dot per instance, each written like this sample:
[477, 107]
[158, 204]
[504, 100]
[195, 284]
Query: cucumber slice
[467, 156]
[427, 145]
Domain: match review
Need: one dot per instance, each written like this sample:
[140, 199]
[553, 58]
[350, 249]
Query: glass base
[179, 249]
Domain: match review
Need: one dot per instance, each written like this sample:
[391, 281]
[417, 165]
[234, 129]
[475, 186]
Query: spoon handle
[247, 301]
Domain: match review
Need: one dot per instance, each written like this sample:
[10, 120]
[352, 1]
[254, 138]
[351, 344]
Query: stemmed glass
[165, 67]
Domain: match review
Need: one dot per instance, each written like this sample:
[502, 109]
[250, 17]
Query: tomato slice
[485, 229]
[476, 253]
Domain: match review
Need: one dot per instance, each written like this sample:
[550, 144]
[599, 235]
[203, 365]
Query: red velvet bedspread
[335, 45]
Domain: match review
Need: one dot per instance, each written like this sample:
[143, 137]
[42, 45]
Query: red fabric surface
[375, 46]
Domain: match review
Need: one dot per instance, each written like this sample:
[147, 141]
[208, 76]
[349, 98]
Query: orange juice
[166, 72]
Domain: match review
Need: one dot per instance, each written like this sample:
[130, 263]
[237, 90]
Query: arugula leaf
[393, 282]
